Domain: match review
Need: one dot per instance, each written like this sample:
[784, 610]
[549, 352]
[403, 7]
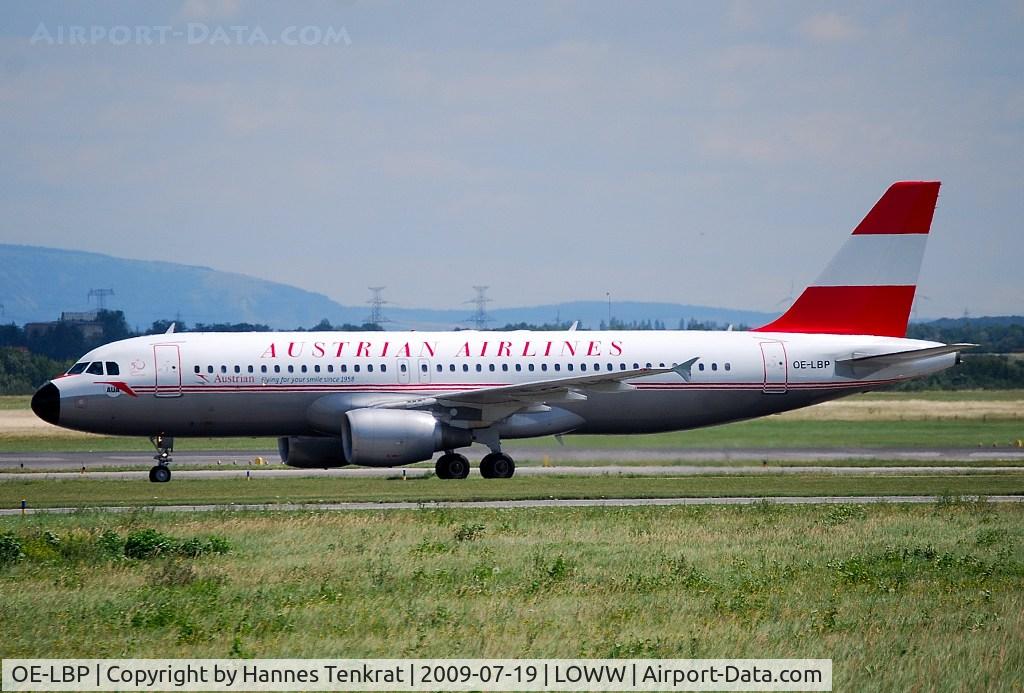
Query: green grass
[947, 395]
[772, 432]
[86, 492]
[123, 444]
[8, 402]
[900, 598]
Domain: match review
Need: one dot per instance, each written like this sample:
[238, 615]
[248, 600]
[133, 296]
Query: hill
[37, 284]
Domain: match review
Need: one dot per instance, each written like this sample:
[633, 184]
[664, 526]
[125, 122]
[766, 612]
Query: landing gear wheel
[497, 465]
[451, 465]
[164, 445]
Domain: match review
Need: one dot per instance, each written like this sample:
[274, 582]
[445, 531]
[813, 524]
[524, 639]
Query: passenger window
[700, 366]
[519, 366]
[263, 369]
[251, 369]
[330, 367]
[316, 368]
[344, 368]
[465, 368]
[369, 368]
[583, 367]
[569, 366]
[423, 367]
[451, 367]
[403, 368]
[648, 364]
[95, 368]
[78, 368]
[714, 366]
[223, 369]
[383, 368]
[440, 368]
[304, 369]
[479, 368]
[112, 368]
[622, 366]
[197, 369]
[238, 369]
[543, 366]
[291, 369]
[491, 368]
[504, 366]
[728, 366]
[530, 367]
[355, 368]
[558, 366]
[209, 369]
[636, 366]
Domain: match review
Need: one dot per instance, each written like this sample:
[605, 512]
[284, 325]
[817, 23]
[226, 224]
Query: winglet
[170, 330]
[683, 369]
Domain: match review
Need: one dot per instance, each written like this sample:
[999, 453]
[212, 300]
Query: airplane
[385, 399]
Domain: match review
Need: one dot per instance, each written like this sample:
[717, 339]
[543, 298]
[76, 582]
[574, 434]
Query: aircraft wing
[483, 406]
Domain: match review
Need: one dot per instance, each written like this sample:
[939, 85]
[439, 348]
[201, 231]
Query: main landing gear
[451, 465]
[495, 465]
[164, 445]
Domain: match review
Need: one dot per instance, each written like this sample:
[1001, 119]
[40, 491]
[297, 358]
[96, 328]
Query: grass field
[767, 432]
[85, 492]
[967, 419]
[12, 402]
[901, 598]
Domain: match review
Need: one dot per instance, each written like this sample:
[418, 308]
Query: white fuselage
[275, 383]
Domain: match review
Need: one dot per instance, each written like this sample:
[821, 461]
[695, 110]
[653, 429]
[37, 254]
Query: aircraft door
[403, 371]
[776, 373]
[168, 370]
[424, 370]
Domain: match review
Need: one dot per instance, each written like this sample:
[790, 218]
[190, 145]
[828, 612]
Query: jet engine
[392, 437]
[307, 452]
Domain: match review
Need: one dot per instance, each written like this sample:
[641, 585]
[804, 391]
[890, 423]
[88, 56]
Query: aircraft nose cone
[46, 403]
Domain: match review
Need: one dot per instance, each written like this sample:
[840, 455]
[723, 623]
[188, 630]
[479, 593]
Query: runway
[525, 456]
[262, 472]
[509, 504]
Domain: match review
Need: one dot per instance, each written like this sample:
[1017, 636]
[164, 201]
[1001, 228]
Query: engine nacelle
[307, 452]
[392, 437]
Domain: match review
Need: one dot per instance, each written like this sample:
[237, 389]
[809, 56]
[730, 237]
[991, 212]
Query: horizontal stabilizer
[859, 366]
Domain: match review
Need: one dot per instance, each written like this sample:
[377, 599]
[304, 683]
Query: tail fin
[868, 288]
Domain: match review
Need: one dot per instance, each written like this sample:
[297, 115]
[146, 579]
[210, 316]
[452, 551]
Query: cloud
[829, 28]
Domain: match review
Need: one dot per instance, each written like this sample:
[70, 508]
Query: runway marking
[511, 504]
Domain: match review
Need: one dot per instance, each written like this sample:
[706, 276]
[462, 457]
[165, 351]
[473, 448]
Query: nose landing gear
[164, 445]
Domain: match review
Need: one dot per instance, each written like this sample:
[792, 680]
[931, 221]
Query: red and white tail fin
[868, 288]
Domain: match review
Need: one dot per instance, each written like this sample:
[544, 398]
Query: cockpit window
[77, 368]
[112, 368]
[95, 368]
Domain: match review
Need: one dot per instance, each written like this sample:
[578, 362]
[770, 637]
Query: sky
[703, 153]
